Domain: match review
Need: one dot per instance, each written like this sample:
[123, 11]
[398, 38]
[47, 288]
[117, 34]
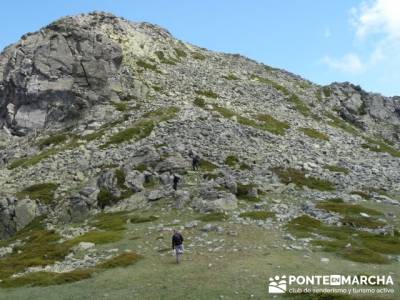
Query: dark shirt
[177, 239]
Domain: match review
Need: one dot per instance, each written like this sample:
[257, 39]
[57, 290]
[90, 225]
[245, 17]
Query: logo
[340, 284]
[277, 285]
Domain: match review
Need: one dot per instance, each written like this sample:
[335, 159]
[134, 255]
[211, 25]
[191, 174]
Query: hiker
[175, 181]
[195, 162]
[177, 244]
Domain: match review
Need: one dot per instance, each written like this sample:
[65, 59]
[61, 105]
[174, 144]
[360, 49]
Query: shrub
[44, 192]
[180, 53]
[327, 91]
[231, 160]
[200, 102]
[106, 198]
[198, 56]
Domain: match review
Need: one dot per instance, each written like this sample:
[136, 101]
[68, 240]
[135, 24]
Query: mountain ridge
[98, 113]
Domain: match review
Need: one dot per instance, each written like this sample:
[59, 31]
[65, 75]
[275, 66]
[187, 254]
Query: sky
[323, 41]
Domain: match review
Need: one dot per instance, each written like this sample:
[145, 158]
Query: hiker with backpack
[177, 244]
[195, 160]
[176, 178]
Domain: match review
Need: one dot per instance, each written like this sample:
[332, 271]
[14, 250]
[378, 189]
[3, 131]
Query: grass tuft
[200, 102]
[315, 134]
[257, 215]
[336, 169]
[207, 93]
[141, 130]
[43, 192]
[290, 175]
[214, 217]
[122, 260]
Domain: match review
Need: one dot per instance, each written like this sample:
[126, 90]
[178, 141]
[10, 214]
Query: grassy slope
[236, 275]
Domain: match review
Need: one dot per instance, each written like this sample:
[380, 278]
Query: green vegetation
[49, 279]
[257, 215]
[214, 217]
[272, 125]
[97, 237]
[142, 129]
[163, 114]
[340, 123]
[207, 93]
[264, 122]
[225, 112]
[53, 140]
[141, 168]
[121, 260]
[198, 56]
[146, 65]
[180, 53]
[120, 174]
[363, 194]
[380, 146]
[290, 175]
[327, 91]
[207, 166]
[120, 106]
[142, 219]
[26, 162]
[111, 221]
[364, 255]
[243, 191]
[336, 169]
[165, 60]
[272, 83]
[351, 214]
[106, 198]
[44, 192]
[230, 77]
[200, 102]
[231, 160]
[347, 242]
[300, 105]
[315, 134]
[213, 176]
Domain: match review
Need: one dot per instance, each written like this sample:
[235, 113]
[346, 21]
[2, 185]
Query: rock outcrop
[109, 110]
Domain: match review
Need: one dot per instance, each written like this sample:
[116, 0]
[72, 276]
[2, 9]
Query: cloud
[349, 63]
[377, 17]
[377, 36]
